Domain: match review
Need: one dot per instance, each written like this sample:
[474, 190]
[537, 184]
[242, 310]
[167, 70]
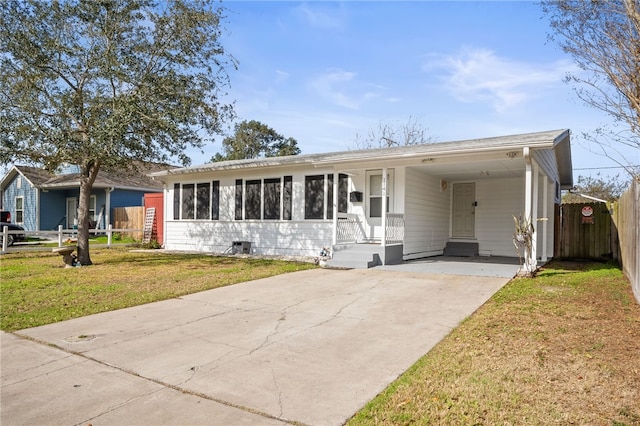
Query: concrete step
[461, 248]
[357, 256]
[358, 248]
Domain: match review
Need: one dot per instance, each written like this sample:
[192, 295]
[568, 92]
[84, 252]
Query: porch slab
[479, 266]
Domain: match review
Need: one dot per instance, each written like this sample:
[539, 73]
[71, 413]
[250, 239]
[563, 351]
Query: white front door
[374, 200]
[72, 212]
[464, 210]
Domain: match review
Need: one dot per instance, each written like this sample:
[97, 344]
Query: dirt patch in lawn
[563, 348]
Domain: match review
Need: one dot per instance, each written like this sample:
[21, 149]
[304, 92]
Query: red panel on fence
[156, 200]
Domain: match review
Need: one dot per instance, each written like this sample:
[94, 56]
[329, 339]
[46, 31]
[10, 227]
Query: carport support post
[383, 241]
[336, 179]
[545, 209]
[530, 203]
[534, 216]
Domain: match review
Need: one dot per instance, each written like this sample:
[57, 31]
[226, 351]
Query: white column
[336, 178]
[545, 220]
[528, 195]
[383, 216]
[534, 216]
[107, 207]
[527, 184]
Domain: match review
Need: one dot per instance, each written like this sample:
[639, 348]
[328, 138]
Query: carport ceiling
[474, 170]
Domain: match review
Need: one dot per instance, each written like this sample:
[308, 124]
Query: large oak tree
[253, 139]
[103, 84]
[603, 38]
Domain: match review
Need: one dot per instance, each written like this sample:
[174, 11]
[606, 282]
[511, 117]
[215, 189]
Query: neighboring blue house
[40, 200]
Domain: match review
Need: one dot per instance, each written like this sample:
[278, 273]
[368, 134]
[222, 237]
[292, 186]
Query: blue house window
[19, 209]
[92, 208]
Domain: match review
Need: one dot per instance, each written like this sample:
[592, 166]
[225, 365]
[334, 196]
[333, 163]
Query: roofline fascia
[365, 156]
[17, 171]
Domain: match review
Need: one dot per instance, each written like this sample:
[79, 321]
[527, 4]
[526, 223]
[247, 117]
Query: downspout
[107, 207]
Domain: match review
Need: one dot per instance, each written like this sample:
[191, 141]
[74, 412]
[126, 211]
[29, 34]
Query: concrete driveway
[310, 347]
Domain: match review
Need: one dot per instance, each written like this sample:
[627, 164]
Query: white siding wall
[498, 201]
[426, 215]
[297, 237]
[306, 238]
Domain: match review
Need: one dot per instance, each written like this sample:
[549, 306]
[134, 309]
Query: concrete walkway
[310, 347]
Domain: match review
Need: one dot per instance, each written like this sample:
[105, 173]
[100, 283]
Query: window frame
[257, 193]
[187, 205]
[269, 184]
[378, 197]
[312, 208]
[19, 211]
[204, 204]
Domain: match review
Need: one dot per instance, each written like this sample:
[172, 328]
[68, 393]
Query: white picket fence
[62, 234]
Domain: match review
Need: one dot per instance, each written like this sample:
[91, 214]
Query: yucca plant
[523, 241]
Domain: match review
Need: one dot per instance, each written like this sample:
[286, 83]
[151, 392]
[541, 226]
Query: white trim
[452, 201]
[534, 212]
[383, 213]
[545, 209]
[15, 205]
[336, 186]
[73, 213]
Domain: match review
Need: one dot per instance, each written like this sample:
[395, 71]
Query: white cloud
[322, 15]
[479, 75]
[281, 76]
[333, 86]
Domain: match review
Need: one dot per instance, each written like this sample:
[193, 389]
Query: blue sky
[322, 72]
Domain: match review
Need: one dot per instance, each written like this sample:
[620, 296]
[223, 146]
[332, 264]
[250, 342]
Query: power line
[603, 168]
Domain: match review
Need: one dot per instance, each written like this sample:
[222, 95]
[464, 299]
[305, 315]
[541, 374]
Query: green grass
[561, 348]
[35, 289]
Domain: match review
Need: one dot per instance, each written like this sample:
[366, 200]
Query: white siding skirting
[293, 238]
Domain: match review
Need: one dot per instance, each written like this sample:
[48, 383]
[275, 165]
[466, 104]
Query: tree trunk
[88, 176]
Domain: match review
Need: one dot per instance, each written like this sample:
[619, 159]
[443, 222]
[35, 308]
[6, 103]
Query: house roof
[556, 140]
[43, 179]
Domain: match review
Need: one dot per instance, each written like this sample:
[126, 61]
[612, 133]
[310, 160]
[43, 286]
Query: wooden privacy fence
[585, 231]
[129, 218]
[627, 219]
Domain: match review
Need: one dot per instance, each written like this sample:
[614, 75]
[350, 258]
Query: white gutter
[589, 197]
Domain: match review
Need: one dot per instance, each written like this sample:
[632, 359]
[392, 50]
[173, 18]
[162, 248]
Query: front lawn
[562, 348]
[35, 289]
